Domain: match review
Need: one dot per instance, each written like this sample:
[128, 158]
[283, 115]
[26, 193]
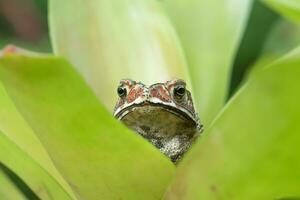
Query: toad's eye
[179, 91]
[122, 91]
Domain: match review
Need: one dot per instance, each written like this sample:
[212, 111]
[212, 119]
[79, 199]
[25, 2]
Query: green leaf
[15, 187]
[97, 155]
[288, 8]
[260, 25]
[111, 40]
[8, 189]
[19, 136]
[210, 32]
[38, 179]
[283, 38]
[252, 149]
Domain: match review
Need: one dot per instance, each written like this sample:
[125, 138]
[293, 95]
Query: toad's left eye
[122, 91]
[179, 91]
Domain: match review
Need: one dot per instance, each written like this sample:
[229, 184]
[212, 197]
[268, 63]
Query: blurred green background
[24, 23]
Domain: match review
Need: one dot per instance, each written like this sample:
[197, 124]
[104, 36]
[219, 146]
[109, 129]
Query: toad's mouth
[179, 112]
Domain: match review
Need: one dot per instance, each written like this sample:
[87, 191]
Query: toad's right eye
[179, 91]
[122, 91]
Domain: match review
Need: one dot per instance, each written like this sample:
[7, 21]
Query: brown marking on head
[133, 89]
[185, 101]
[127, 83]
[134, 93]
[167, 93]
[159, 91]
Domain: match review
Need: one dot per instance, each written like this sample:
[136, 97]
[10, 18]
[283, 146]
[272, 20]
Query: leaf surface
[18, 135]
[8, 189]
[112, 40]
[210, 32]
[288, 8]
[252, 149]
[97, 155]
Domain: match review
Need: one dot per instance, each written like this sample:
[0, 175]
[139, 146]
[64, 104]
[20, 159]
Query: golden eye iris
[121, 91]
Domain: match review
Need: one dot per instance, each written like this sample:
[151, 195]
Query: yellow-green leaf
[252, 149]
[23, 153]
[210, 32]
[8, 189]
[110, 40]
[36, 177]
[288, 8]
[97, 155]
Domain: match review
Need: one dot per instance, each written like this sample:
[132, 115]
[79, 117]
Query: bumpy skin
[160, 115]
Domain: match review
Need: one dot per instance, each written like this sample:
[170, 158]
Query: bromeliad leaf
[252, 149]
[260, 24]
[93, 151]
[111, 40]
[27, 157]
[8, 189]
[210, 31]
[288, 8]
[43, 184]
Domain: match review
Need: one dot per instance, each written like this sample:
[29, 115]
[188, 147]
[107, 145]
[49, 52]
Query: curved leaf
[41, 183]
[252, 149]
[111, 40]
[97, 155]
[288, 8]
[15, 128]
[258, 31]
[283, 38]
[8, 189]
[210, 32]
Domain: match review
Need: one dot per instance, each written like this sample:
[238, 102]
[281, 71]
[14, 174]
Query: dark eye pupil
[180, 91]
[121, 92]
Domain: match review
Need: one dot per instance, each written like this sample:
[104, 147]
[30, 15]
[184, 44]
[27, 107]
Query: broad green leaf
[288, 8]
[283, 38]
[97, 155]
[210, 32]
[30, 171]
[15, 128]
[110, 40]
[252, 149]
[8, 189]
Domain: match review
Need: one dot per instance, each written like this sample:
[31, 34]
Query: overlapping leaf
[24, 149]
[110, 40]
[36, 177]
[209, 32]
[97, 155]
[252, 149]
[288, 8]
[260, 26]
[8, 189]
